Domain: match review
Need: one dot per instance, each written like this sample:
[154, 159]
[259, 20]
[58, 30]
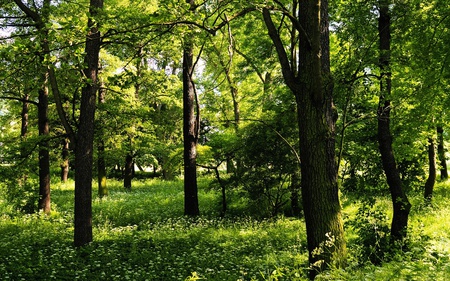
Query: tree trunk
[128, 173]
[101, 170]
[312, 86]
[399, 199]
[40, 21]
[101, 164]
[65, 160]
[190, 130]
[24, 120]
[44, 157]
[429, 184]
[23, 134]
[441, 153]
[85, 134]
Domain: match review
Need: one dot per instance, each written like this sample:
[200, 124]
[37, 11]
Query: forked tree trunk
[441, 153]
[85, 135]
[399, 199]
[312, 87]
[429, 184]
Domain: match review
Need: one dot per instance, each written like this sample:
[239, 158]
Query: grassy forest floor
[143, 235]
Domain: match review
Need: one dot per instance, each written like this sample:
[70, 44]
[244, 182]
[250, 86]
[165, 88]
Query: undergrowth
[143, 235]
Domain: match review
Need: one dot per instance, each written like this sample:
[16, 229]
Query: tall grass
[143, 235]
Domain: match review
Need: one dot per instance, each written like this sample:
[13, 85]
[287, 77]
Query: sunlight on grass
[143, 235]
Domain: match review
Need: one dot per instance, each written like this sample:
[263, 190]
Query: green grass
[143, 235]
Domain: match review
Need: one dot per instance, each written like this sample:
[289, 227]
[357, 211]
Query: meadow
[143, 235]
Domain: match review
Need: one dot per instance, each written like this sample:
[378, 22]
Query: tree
[191, 126]
[399, 199]
[44, 155]
[441, 153]
[101, 162]
[429, 184]
[85, 134]
[40, 21]
[311, 83]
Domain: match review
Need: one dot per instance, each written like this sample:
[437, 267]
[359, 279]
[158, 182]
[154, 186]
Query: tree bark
[399, 199]
[190, 136]
[441, 153]
[312, 87]
[85, 134]
[101, 164]
[24, 119]
[429, 184]
[190, 130]
[23, 134]
[128, 173]
[44, 157]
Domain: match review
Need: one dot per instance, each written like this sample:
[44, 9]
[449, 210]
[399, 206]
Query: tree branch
[30, 13]
[286, 69]
[19, 99]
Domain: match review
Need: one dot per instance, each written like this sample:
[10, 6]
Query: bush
[372, 229]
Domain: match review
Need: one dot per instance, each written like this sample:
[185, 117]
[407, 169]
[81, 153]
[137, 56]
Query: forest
[224, 140]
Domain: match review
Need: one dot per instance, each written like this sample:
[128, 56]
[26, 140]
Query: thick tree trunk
[316, 120]
[128, 173]
[399, 199]
[44, 157]
[190, 130]
[65, 160]
[190, 135]
[429, 184]
[85, 134]
[441, 153]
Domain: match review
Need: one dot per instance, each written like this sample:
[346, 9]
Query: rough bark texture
[190, 130]
[441, 153]
[429, 184]
[44, 157]
[190, 136]
[399, 199]
[312, 88]
[85, 134]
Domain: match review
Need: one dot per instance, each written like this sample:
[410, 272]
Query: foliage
[268, 162]
[136, 241]
[372, 229]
